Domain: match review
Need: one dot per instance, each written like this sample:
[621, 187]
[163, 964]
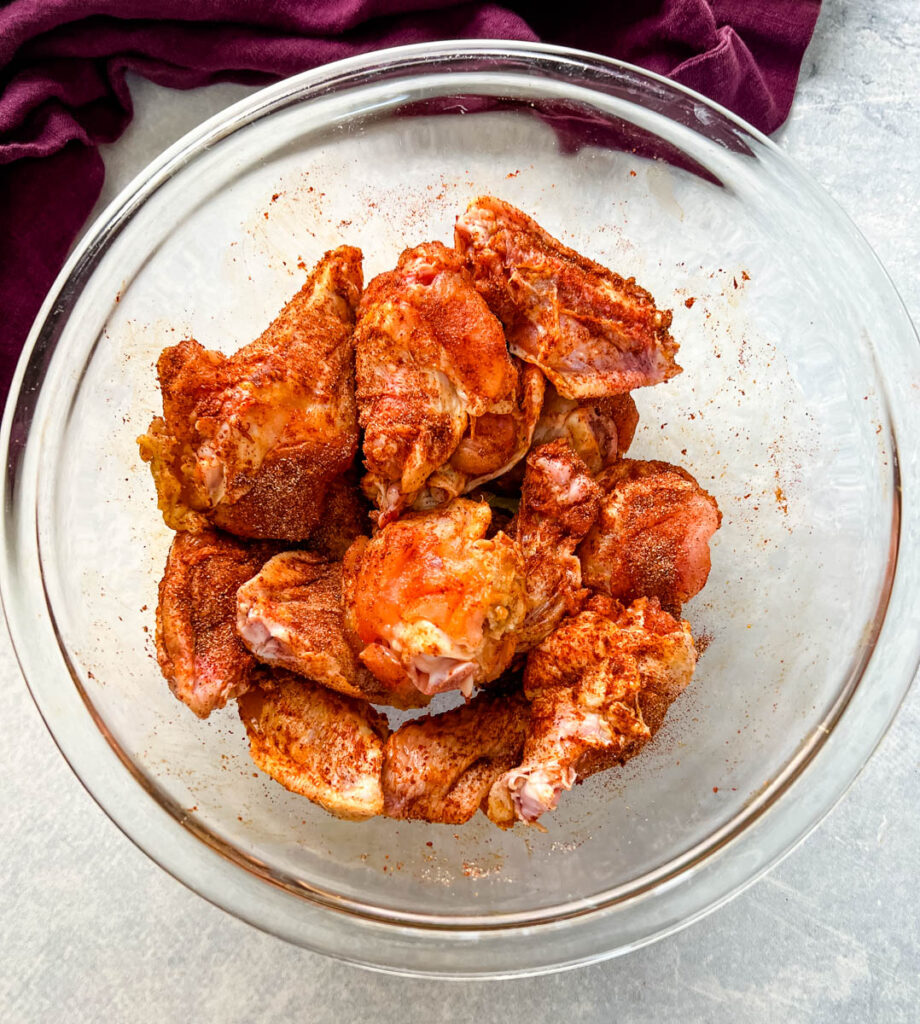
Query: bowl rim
[173, 854]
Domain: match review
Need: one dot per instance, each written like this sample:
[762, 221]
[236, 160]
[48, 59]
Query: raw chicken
[590, 331]
[599, 687]
[198, 649]
[651, 538]
[291, 615]
[440, 768]
[600, 430]
[320, 744]
[431, 362]
[433, 601]
[251, 442]
[559, 503]
[491, 444]
[345, 517]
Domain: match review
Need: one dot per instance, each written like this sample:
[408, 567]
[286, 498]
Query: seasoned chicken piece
[291, 615]
[251, 442]
[600, 430]
[434, 601]
[345, 517]
[493, 445]
[559, 503]
[590, 331]
[198, 649]
[651, 538]
[441, 767]
[320, 744]
[599, 687]
[431, 358]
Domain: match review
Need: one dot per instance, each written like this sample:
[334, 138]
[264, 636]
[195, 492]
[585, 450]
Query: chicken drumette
[433, 601]
[198, 649]
[441, 767]
[291, 615]
[651, 538]
[599, 431]
[599, 687]
[437, 389]
[559, 503]
[590, 331]
[320, 744]
[251, 442]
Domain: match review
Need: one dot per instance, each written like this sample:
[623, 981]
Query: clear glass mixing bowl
[801, 373]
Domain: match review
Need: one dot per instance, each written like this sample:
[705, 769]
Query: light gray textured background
[92, 930]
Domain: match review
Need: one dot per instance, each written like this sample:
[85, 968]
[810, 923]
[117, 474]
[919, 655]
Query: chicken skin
[600, 430]
[651, 538]
[591, 332]
[320, 744]
[433, 601]
[250, 443]
[291, 615]
[198, 650]
[559, 503]
[598, 687]
[441, 767]
[493, 445]
[345, 517]
[431, 362]
[430, 602]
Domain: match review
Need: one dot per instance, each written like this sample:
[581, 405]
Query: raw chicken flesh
[320, 744]
[434, 601]
[652, 536]
[252, 442]
[592, 332]
[598, 688]
[441, 767]
[198, 649]
[599, 430]
[432, 370]
[345, 517]
[291, 615]
[559, 503]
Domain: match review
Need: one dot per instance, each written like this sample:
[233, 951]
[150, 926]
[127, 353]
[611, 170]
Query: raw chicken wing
[599, 687]
[600, 430]
[251, 442]
[559, 503]
[441, 767]
[431, 360]
[434, 601]
[198, 649]
[494, 444]
[291, 615]
[651, 538]
[320, 744]
[590, 331]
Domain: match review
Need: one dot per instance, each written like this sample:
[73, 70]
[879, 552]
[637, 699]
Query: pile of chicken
[466, 384]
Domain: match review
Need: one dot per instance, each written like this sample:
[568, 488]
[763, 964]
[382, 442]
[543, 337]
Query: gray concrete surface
[93, 931]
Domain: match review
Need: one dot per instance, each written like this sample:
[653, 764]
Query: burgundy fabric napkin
[63, 90]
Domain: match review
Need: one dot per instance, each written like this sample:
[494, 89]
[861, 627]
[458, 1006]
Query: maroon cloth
[63, 90]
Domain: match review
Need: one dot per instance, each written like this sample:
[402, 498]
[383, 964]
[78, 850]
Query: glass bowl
[801, 372]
